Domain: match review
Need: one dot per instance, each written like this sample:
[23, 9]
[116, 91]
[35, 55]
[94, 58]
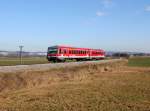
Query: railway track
[42, 67]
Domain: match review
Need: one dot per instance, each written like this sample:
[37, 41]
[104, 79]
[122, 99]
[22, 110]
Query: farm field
[7, 61]
[139, 61]
[105, 87]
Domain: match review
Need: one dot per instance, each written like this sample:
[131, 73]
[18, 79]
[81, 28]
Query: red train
[62, 53]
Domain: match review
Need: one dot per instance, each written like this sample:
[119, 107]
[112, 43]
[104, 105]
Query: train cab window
[52, 50]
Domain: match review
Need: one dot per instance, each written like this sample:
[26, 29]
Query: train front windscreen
[52, 50]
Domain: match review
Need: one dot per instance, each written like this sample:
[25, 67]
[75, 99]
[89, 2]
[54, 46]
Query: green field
[7, 61]
[139, 61]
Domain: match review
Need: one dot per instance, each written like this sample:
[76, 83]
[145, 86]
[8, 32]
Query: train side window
[59, 51]
[75, 52]
[64, 51]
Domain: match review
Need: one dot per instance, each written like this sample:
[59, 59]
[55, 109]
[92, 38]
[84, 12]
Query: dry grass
[108, 87]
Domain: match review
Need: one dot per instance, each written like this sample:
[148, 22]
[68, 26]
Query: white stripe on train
[62, 57]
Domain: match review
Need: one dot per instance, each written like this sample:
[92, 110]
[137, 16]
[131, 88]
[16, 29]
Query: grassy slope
[25, 61]
[140, 61]
[124, 90]
[106, 93]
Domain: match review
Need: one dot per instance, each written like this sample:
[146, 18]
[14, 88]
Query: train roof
[61, 46]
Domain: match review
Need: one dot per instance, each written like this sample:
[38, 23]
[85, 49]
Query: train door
[90, 54]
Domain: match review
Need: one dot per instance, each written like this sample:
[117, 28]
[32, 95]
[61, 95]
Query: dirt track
[42, 67]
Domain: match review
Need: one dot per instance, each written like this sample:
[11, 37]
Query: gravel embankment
[42, 67]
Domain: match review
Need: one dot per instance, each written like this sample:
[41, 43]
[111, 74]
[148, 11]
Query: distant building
[16, 53]
[124, 55]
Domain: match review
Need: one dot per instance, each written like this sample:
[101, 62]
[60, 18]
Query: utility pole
[20, 54]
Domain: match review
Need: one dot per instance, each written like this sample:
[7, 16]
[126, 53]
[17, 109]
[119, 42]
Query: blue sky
[114, 25]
